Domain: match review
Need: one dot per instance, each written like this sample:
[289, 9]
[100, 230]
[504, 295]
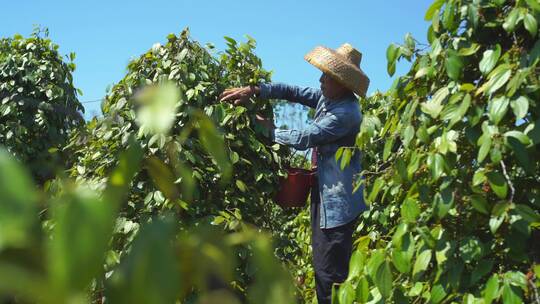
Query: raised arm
[333, 126]
[306, 96]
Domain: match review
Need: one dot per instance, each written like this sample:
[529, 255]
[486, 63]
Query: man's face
[332, 89]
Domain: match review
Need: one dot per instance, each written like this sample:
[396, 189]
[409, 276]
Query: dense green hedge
[452, 167]
[170, 193]
[228, 179]
[38, 102]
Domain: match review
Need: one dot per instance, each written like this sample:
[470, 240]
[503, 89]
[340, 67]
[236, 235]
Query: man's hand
[239, 96]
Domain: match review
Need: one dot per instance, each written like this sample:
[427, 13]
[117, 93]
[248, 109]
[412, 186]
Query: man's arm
[306, 96]
[330, 128]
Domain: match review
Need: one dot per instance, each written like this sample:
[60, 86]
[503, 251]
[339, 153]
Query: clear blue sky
[106, 34]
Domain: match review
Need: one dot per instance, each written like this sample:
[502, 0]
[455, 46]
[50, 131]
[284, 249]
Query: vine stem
[512, 190]
[536, 298]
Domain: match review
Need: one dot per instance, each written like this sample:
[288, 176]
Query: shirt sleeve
[306, 96]
[334, 125]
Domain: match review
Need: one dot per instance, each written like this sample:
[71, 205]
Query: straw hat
[342, 64]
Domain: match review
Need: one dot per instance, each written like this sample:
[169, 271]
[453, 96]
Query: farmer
[334, 205]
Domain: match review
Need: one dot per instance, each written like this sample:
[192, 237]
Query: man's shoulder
[347, 110]
[348, 105]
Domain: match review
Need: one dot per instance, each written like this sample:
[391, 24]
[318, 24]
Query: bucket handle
[304, 154]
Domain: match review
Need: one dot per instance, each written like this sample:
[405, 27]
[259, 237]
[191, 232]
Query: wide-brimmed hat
[342, 64]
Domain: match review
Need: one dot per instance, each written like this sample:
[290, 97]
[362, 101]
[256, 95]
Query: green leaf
[534, 54]
[129, 164]
[436, 164]
[391, 56]
[511, 20]
[473, 15]
[429, 71]
[408, 135]
[398, 234]
[18, 204]
[447, 142]
[230, 41]
[339, 153]
[500, 209]
[376, 188]
[534, 4]
[188, 183]
[471, 249]
[241, 186]
[158, 107]
[536, 269]
[517, 81]
[489, 60]
[383, 279]
[433, 9]
[162, 177]
[434, 106]
[495, 223]
[403, 253]
[214, 144]
[461, 111]
[479, 203]
[443, 251]
[346, 158]
[467, 87]
[511, 294]
[437, 294]
[527, 213]
[362, 290]
[421, 264]
[520, 106]
[498, 108]
[443, 202]
[416, 290]
[471, 299]
[149, 273]
[531, 24]
[495, 154]
[485, 145]
[479, 177]
[498, 184]
[410, 210]
[454, 65]
[534, 133]
[376, 259]
[84, 225]
[491, 290]
[409, 41]
[356, 264]
[483, 268]
[520, 136]
[449, 15]
[402, 261]
[497, 78]
[346, 293]
[218, 220]
[426, 236]
[388, 145]
[516, 278]
[471, 50]
[334, 298]
[25, 284]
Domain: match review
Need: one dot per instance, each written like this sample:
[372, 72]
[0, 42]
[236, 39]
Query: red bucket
[294, 190]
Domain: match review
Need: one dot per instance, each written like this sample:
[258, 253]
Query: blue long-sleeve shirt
[335, 125]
